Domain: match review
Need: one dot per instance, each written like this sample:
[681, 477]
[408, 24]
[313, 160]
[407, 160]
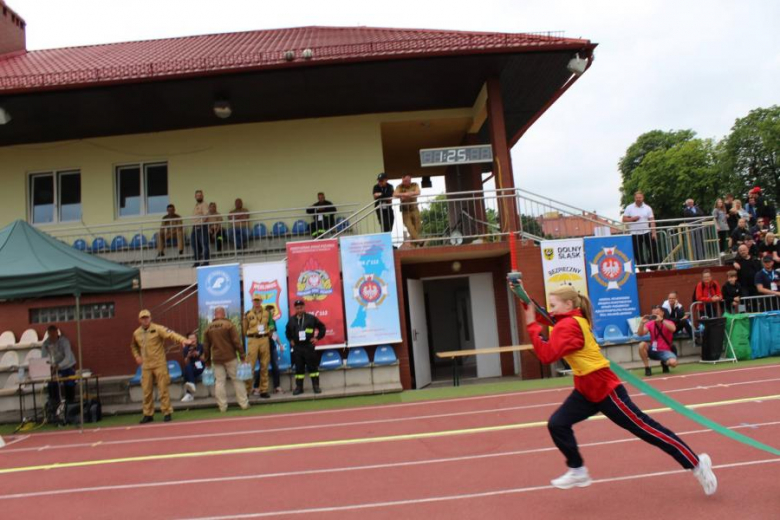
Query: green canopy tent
[34, 264]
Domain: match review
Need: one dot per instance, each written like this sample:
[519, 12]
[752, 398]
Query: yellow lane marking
[345, 442]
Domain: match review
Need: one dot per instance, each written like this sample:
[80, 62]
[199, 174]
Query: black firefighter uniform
[149, 344]
[255, 325]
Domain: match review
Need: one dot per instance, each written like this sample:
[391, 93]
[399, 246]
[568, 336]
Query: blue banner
[269, 280]
[370, 290]
[218, 286]
[611, 282]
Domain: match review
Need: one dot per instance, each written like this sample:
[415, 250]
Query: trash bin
[712, 338]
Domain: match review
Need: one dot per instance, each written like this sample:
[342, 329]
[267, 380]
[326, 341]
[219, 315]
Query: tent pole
[81, 366]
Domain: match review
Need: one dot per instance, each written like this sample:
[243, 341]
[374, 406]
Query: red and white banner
[315, 277]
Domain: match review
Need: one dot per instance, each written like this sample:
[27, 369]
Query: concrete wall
[270, 165]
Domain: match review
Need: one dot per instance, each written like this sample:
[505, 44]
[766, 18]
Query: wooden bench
[455, 354]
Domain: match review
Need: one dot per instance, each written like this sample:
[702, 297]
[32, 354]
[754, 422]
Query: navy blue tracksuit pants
[619, 408]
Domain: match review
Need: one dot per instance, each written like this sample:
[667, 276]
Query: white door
[420, 350]
[483, 313]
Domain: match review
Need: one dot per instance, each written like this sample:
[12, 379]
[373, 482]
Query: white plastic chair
[9, 359]
[29, 337]
[33, 354]
[7, 339]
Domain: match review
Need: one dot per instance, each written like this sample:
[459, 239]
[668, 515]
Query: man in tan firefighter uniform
[255, 325]
[408, 192]
[221, 349]
[148, 348]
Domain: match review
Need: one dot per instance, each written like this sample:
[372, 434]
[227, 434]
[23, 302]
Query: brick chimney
[12, 39]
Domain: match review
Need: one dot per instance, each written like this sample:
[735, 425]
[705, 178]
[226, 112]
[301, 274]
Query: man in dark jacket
[222, 347]
[300, 333]
[323, 211]
[746, 266]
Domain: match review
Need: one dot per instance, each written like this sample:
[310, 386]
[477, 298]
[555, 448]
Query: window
[91, 311]
[142, 189]
[55, 197]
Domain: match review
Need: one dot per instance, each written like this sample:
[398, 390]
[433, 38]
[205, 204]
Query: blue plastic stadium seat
[279, 229]
[331, 360]
[613, 334]
[358, 358]
[138, 242]
[136, 379]
[174, 370]
[260, 231]
[80, 244]
[118, 243]
[99, 244]
[384, 355]
[341, 223]
[300, 228]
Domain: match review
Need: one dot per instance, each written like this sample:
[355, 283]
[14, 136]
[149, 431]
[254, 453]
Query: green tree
[686, 170]
[751, 152]
[645, 144]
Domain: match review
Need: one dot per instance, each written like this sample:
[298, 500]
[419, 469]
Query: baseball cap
[298, 302]
[767, 259]
[257, 296]
[382, 176]
[755, 190]
[144, 314]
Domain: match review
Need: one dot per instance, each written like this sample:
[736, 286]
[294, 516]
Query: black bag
[93, 412]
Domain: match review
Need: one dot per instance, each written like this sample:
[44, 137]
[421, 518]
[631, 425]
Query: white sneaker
[190, 387]
[187, 398]
[705, 476]
[575, 477]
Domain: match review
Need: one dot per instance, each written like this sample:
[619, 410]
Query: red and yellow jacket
[572, 340]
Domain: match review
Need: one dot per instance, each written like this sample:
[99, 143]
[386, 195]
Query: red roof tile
[233, 52]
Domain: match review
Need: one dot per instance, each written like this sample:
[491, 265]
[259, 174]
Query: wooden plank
[493, 350]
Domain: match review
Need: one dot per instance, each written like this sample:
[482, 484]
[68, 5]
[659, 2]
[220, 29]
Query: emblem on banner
[269, 292]
[218, 283]
[549, 253]
[314, 283]
[370, 291]
[611, 268]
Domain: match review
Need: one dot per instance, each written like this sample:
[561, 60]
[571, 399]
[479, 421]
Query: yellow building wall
[269, 165]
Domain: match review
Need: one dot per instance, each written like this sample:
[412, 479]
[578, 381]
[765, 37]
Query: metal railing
[759, 304]
[679, 243]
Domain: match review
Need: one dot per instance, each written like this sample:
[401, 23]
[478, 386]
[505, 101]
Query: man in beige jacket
[221, 346]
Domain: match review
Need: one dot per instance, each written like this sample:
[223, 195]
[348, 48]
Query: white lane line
[147, 440]
[485, 494]
[20, 439]
[432, 402]
[344, 469]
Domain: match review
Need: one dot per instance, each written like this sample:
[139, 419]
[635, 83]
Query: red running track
[498, 471]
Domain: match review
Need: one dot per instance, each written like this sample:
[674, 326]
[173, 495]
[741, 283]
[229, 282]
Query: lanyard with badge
[301, 330]
[772, 280]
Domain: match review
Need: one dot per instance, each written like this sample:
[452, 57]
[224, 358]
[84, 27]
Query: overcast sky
[659, 64]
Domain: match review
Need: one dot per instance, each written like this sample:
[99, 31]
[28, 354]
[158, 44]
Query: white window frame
[56, 175]
[143, 168]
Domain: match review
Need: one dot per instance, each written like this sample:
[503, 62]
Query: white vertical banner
[563, 263]
[269, 280]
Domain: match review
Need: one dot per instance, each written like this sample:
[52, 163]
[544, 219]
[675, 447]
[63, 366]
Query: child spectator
[732, 292]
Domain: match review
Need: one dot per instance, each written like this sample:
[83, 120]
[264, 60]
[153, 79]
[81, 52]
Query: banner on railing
[563, 262]
[269, 279]
[611, 282]
[218, 286]
[315, 278]
[371, 301]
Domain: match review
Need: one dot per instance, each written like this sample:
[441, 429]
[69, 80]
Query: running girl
[597, 389]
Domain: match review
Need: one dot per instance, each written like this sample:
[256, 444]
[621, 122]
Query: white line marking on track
[344, 469]
[430, 402]
[147, 440]
[20, 439]
[485, 494]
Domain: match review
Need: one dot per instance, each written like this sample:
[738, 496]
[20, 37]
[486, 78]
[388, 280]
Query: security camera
[5, 117]
[577, 65]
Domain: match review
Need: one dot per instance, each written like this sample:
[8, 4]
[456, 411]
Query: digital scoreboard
[456, 155]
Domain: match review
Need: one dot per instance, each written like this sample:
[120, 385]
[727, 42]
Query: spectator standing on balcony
[765, 212]
[675, 312]
[708, 292]
[221, 348]
[746, 265]
[323, 211]
[661, 337]
[200, 231]
[735, 213]
[691, 210]
[728, 201]
[722, 225]
[239, 224]
[770, 246]
[256, 325]
[641, 225]
[767, 280]
[407, 192]
[752, 210]
[732, 292]
[383, 197]
[739, 234]
[214, 221]
[148, 348]
[193, 367]
[172, 230]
